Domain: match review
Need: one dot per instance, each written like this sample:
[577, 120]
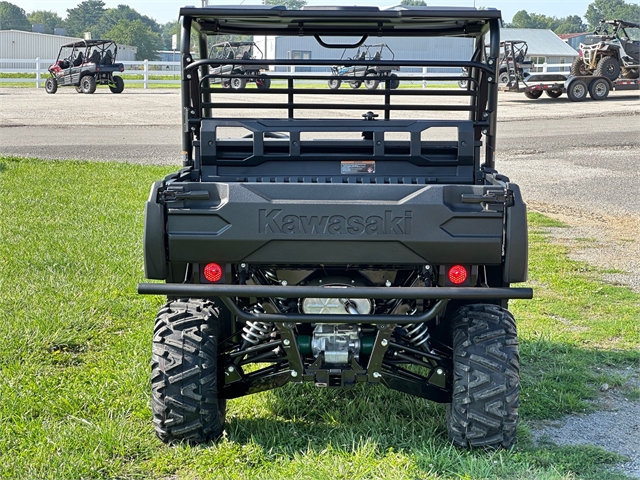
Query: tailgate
[302, 224]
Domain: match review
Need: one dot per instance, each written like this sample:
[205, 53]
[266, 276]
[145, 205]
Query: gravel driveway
[576, 162]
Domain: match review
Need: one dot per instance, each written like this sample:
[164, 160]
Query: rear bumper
[226, 293]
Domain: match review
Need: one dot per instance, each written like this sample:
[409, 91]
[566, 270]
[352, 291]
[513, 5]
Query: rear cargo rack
[382, 109]
[386, 91]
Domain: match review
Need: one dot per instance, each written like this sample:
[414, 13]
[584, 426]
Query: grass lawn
[128, 78]
[75, 346]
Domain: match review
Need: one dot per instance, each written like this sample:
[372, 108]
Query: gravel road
[577, 162]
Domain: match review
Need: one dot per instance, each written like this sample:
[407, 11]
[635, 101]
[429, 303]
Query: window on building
[539, 63]
[300, 55]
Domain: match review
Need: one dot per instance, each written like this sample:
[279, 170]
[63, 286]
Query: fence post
[146, 74]
[38, 72]
[424, 72]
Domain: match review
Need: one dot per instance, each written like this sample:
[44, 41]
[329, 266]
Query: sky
[164, 11]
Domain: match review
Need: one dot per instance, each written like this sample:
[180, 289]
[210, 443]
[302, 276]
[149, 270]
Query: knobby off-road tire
[51, 85]
[579, 68]
[88, 84]
[118, 85]
[185, 373]
[263, 82]
[334, 83]
[608, 67]
[238, 83]
[393, 81]
[371, 83]
[486, 381]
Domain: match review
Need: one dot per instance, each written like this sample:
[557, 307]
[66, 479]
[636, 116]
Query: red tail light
[212, 272]
[457, 274]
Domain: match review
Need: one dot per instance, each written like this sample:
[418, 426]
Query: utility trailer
[337, 237]
[577, 88]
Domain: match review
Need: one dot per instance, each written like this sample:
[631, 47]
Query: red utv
[84, 65]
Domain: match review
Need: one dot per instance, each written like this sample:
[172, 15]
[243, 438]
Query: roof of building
[566, 36]
[36, 34]
[540, 42]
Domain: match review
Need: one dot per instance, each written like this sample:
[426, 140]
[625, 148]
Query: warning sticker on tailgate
[358, 166]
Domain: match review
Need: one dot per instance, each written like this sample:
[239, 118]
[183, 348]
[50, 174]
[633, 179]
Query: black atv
[236, 75]
[611, 51]
[357, 73]
[84, 65]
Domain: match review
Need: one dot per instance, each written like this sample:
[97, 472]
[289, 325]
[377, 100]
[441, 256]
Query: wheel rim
[579, 91]
[600, 89]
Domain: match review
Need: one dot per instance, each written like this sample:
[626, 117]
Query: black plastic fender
[154, 242]
[516, 257]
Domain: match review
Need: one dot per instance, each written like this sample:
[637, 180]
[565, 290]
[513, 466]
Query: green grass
[75, 345]
[176, 78]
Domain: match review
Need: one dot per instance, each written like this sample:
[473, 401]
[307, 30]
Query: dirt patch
[615, 427]
[609, 242]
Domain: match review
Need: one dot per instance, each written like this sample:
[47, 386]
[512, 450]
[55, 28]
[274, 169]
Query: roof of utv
[87, 43]
[396, 21]
[622, 23]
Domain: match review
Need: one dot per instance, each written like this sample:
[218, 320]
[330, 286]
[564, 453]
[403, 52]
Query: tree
[167, 31]
[13, 17]
[84, 17]
[50, 20]
[523, 19]
[123, 12]
[290, 4]
[611, 10]
[414, 3]
[139, 35]
[570, 24]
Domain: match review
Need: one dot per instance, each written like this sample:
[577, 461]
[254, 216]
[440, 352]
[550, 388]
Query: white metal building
[544, 45]
[19, 45]
[434, 48]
